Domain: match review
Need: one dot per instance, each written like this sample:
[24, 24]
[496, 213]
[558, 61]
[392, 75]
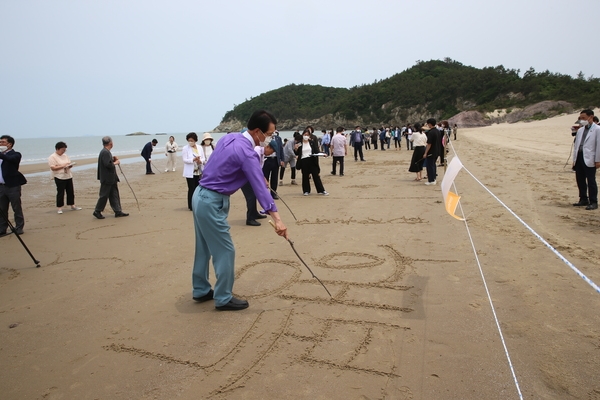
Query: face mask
[3, 149]
[191, 143]
[583, 122]
[305, 138]
[266, 142]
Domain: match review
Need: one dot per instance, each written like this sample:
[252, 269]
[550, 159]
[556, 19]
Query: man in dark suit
[273, 162]
[147, 154]
[11, 181]
[107, 175]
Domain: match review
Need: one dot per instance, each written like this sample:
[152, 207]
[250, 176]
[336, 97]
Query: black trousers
[374, 143]
[271, 171]
[358, 151]
[63, 185]
[192, 184]
[309, 169]
[338, 159]
[251, 209]
[282, 172]
[586, 180]
[148, 166]
[11, 195]
[431, 169]
[382, 142]
[110, 192]
[367, 145]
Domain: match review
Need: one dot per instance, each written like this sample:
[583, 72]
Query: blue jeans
[212, 239]
[326, 149]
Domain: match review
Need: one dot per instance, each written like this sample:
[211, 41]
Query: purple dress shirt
[233, 163]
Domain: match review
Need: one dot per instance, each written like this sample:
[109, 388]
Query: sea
[37, 150]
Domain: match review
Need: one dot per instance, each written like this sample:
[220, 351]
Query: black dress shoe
[121, 214]
[149, 173]
[592, 206]
[260, 216]
[252, 222]
[208, 296]
[234, 305]
[275, 197]
[20, 231]
[581, 203]
[3, 234]
[98, 215]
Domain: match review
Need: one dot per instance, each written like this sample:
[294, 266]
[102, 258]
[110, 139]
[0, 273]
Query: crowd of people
[255, 161]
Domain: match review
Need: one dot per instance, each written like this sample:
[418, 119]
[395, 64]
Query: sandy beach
[109, 313]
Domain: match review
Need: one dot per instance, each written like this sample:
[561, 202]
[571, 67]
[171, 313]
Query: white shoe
[173, 169]
[430, 183]
[306, 193]
[324, 193]
[59, 211]
[75, 208]
[166, 170]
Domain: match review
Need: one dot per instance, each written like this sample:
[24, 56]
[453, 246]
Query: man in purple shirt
[233, 163]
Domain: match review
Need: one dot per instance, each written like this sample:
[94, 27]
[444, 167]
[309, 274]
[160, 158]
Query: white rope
[512, 370]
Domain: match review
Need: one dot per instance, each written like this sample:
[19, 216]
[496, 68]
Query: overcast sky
[72, 68]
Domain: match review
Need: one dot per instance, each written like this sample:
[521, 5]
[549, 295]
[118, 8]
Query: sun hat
[207, 136]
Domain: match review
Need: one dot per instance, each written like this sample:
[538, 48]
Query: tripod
[14, 230]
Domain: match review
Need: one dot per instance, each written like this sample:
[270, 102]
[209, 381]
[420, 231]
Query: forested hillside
[436, 88]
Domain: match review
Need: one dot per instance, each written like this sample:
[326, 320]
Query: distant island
[441, 89]
[138, 134]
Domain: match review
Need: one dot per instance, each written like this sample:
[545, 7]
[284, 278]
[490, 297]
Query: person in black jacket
[11, 181]
[147, 154]
[308, 163]
[107, 175]
[432, 151]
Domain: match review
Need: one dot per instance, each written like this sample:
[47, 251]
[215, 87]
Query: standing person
[382, 138]
[455, 130]
[325, 141]
[586, 156]
[272, 163]
[397, 139]
[171, 153]
[60, 167]
[207, 147]
[193, 159]
[432, 151]
[289, 158]
[147, 154]
[388, 136]
[408, 132]
[339, 149]
[356, 140]
[367, 139]
[309, 163]
[234, 163]
[11, 181]
[419, 140]
[107, 175]
[374, 138]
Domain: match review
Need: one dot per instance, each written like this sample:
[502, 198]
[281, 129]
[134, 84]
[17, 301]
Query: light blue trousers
[210, 211]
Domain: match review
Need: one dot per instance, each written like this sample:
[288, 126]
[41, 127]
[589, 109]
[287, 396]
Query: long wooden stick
[300, 258]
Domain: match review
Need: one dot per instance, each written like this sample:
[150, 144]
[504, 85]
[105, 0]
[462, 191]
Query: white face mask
[583, 122]
[305, 138]
[192, 143]
[3, 149]
[266, 142]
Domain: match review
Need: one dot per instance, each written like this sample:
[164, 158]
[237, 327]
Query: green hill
[432, 88]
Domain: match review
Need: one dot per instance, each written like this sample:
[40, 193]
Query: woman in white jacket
[193, 159]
